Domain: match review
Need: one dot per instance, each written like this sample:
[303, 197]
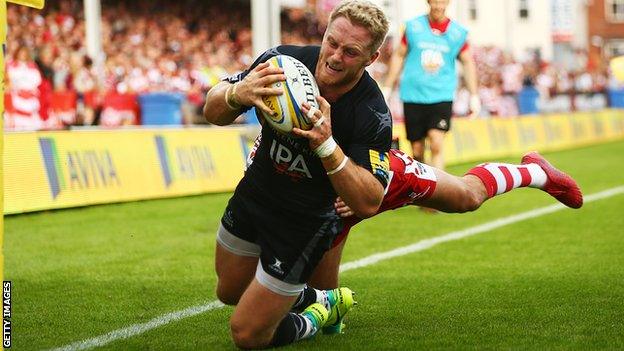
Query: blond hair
[366, 14]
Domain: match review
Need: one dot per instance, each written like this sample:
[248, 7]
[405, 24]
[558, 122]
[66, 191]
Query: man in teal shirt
[426, 60]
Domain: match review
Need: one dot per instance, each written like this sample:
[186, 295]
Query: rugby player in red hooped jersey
[415, 183]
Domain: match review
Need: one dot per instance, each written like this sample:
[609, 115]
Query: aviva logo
[184, 162]
[77, 170]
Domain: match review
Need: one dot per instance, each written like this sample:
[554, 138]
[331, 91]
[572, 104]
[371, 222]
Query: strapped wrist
[230, 98]
[326, 148]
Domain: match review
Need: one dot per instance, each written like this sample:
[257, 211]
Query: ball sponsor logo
[299, 87]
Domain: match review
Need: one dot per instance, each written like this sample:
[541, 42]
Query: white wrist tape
[230, 96]
[319, 122]
[340, 166]
[326, 148]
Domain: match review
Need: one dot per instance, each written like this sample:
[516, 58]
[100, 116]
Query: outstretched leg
[455, 194]
[467, 193]
[534, 172]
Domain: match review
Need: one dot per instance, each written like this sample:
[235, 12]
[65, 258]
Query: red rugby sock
[500, 178]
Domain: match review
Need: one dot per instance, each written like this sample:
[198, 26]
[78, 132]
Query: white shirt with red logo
[23, 105]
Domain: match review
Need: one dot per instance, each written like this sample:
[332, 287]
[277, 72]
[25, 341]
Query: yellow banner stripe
[38, 4]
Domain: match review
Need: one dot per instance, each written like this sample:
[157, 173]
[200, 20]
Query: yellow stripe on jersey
[380, 163]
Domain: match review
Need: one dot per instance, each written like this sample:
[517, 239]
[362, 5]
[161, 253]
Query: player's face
[345, 53]
[438, 9]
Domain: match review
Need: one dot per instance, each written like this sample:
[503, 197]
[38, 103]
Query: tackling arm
[356, 186]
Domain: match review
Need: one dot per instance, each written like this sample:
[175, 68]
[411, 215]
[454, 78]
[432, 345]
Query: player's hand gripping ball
[299, 87]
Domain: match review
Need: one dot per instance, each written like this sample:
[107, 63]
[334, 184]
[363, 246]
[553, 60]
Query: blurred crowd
[502, 78]
[148, 46]
[160, 46]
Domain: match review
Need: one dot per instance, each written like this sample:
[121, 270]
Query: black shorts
[289, 243]
[420, 118]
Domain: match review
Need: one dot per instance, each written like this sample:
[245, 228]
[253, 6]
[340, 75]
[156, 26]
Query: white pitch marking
[425, 244]
[137, 329]
[482, 228]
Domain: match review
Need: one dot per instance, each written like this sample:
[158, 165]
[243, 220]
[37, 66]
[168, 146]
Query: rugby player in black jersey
[281, 218]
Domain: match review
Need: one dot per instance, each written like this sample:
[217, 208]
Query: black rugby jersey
[286, 171]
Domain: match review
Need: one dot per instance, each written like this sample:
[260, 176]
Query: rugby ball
[299, 87]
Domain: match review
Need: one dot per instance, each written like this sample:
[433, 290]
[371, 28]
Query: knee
[463, 200]
[227, 296]
[245, 336]
[471, 201]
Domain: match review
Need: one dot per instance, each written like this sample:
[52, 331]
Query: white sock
[309, 328]
[538, 176]
[322, 298]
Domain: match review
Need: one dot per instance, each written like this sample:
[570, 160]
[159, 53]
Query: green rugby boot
[341, 301]
[317, 314]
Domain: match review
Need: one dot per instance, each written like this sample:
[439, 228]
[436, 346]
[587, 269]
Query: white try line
[425, 244]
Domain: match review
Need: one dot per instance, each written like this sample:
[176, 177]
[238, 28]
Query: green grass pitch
[551, 282]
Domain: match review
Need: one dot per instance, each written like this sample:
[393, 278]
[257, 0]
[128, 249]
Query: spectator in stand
[489, 93]
[160, 45]
[564, 82]
[44, 62]
[545, 82]
[511, 84]
[84, 82]
[528, 97]
[583, 83]
[23, 81]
